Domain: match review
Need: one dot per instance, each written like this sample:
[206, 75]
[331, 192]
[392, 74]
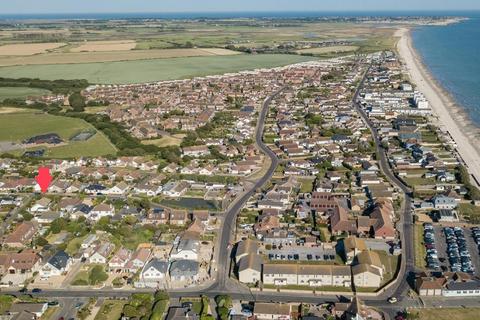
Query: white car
[392, 300]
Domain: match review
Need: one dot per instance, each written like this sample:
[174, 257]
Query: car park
[458, 255]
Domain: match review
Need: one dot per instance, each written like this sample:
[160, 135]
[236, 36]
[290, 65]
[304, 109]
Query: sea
[452, 55]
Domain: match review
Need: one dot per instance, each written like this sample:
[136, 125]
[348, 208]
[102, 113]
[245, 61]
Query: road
[223, 284]
[223, 281]
[405, 224]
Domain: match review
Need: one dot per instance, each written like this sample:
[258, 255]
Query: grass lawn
[20, 92]
[448, 313]
[85, 277]
[470, 211]
[173, 140]
[197, 304]
[416, 181]
[74, 245]
[19, 126]
[151, 70]
[307, 185]
[420, 251]
[111, 309]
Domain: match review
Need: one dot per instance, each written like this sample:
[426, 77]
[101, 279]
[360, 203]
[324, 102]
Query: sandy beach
[451, 117]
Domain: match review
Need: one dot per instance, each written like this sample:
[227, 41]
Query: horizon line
[245, 11]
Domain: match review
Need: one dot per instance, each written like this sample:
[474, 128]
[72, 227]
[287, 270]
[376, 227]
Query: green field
[19, 126]
[151, 70]
[20, 92]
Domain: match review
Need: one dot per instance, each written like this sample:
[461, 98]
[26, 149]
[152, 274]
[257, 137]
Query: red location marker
[43, 178]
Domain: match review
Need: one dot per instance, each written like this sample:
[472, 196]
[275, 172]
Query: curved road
[223, 284]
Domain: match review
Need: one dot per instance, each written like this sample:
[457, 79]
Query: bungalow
[88, 242]
[150, 190]
[138, 259]
[22, 235]
[178, 217]
[95, 189]
[119, 189]
[41, 205]
[119, 261]
[196, 151]
[100, 211]
[101, 253]
[175, 189]
[272, 311]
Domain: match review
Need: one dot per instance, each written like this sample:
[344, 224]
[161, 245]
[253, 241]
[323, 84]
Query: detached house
[22, 235]
[153, 273]
[100, 211]
[101, 253]
[56, 265]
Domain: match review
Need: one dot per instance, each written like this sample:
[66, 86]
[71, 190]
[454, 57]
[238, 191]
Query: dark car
[36, 290]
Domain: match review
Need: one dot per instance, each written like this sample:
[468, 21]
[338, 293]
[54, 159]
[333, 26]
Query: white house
[186, 249]
[56, 265]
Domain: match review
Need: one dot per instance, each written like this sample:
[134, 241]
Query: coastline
[449, 115]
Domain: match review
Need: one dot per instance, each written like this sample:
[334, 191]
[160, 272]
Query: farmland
[97, 55]
[333, 49]
[18, 126]
[20, 92]
[26, 49]
[151, 70]
[92, 46]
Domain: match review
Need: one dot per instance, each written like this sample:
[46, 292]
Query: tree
[41, 241]
[77, 102]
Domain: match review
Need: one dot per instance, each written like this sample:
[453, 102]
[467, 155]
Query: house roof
[161, 266]
[183, 267]
[362, 268]
[251, 261]
[59, 260]
[370, 257]
[272, 308]
[246, 246]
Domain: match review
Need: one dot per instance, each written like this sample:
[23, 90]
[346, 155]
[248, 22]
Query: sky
[158, 6]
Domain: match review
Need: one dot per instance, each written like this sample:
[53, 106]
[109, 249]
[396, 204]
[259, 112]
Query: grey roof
[160, 265]
[467, 285]
[59, 260]
[29, 307]
[186, 244]
[186, 268]
[251, 261]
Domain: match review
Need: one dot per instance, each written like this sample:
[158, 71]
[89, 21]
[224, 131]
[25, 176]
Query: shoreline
[449, 115]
